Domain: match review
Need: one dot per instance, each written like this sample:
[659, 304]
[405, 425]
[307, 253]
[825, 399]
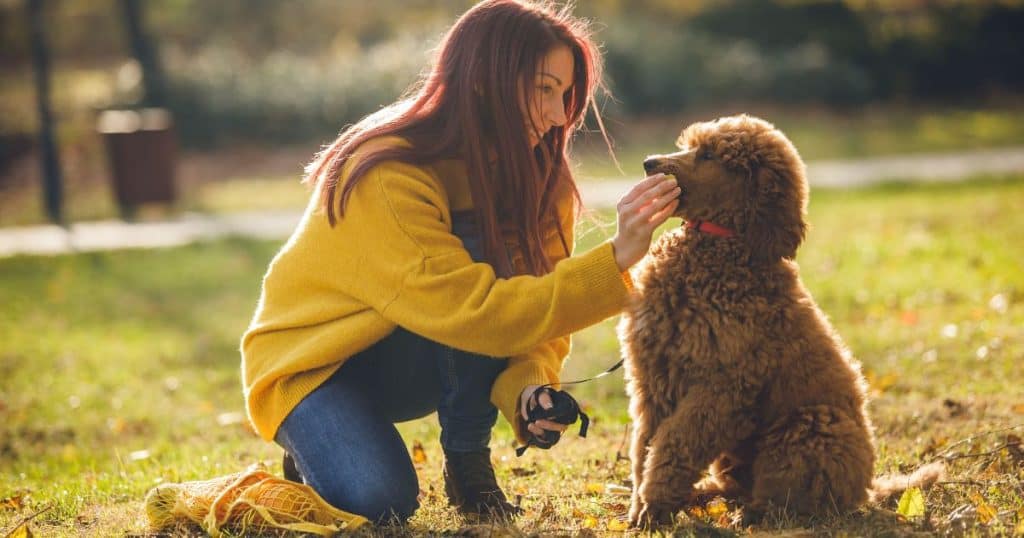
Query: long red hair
[467, 107]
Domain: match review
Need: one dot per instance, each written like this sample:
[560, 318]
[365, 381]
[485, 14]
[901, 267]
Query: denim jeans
[342, 435]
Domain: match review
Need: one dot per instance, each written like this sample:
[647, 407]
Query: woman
[431, 271]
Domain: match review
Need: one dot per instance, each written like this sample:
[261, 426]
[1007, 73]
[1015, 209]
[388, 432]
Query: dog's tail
[888, 485]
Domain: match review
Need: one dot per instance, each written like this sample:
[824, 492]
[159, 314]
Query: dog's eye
[707, 155]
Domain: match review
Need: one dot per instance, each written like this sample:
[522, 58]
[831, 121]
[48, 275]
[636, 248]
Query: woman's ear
[776, 225]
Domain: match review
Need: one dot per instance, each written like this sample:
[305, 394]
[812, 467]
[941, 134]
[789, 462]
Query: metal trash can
[142, 152]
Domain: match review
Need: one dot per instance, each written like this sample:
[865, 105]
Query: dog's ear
[776, 226]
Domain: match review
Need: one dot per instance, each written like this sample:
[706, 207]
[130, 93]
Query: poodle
[738, 384]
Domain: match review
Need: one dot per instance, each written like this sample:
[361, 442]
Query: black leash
[564, 410]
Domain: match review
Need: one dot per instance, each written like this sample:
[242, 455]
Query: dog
[738, 384]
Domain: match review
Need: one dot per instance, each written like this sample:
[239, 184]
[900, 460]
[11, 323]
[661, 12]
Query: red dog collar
[709, 228]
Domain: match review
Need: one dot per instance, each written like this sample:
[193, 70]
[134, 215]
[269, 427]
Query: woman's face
[544, 101]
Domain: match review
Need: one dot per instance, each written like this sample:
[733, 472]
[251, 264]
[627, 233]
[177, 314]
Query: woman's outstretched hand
[645, 207]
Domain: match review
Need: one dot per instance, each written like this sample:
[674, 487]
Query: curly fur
[738, 384]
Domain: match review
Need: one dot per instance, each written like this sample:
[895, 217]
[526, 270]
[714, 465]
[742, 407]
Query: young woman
[431, 271]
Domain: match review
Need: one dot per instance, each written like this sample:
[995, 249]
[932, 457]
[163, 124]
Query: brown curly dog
[738, 384]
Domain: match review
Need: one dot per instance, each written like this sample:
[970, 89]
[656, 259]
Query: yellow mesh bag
[252, 501]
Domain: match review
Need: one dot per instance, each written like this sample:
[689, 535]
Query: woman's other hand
[645, 207]
[538, 427]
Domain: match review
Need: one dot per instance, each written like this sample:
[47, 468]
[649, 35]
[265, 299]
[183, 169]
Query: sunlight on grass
[120, 370]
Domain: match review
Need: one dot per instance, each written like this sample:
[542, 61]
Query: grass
[120, 371]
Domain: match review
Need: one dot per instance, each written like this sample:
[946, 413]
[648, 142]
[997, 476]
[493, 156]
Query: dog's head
[742, 173]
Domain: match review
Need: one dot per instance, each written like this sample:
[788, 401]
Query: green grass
[119, 371]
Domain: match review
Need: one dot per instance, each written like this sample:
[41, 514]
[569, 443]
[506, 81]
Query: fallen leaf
[911, 503]
[1019, 409]
[880, 384]
[595, 488]
[909, 318]
[14, 502]
[418, 454]
[23, 531]
[986, 513]
[716, 508]
[589, 522]
[618, 525]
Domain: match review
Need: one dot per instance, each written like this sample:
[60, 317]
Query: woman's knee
[380, 501]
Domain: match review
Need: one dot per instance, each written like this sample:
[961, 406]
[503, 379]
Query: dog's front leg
[684, 445]
[643, 428]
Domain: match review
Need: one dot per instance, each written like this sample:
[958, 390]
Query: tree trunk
[145, 53]
[49, 158]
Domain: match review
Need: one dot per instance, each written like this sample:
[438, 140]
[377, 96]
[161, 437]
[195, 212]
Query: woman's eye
[547, 90]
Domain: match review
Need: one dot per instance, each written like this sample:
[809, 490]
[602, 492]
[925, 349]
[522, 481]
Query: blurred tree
[50, 160]
[145, 52]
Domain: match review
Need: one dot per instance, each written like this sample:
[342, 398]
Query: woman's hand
[544, 400]
[641, 210]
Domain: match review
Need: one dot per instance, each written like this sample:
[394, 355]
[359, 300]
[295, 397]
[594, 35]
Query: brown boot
[471, 486]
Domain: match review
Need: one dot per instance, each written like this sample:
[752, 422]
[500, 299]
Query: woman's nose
[556, 116]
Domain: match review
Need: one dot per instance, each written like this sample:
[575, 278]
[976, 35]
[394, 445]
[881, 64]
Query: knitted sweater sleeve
[542, 364]
[417, 274]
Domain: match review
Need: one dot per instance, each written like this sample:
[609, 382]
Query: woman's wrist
[622, 260]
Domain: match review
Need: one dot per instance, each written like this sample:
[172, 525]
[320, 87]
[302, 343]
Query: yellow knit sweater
[392, 260]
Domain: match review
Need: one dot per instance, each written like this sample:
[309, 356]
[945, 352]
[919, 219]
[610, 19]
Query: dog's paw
[652, 516]
[635, 509]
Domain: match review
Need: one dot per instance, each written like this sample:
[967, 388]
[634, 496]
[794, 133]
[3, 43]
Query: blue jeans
[342, 435]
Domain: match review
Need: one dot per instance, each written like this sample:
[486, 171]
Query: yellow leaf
[697, 512]
[21, 532]
[595, 488]
[618, 525]
[986, 513]
[418, 454]
[911, 503]
[589, 522]
[716, 508]
[1019, 409]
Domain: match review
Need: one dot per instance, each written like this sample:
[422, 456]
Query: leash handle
[564, 410]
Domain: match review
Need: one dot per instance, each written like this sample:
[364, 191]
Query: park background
[119, 369]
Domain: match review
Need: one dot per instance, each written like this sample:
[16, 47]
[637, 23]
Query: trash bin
[141, 150]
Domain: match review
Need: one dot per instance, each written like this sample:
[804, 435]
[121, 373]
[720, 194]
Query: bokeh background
[119, 368]
[256, 86]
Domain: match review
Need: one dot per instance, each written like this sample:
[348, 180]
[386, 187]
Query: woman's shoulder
[392, 173]
[381, 143]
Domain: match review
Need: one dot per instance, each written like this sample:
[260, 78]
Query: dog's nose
[650, 163]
